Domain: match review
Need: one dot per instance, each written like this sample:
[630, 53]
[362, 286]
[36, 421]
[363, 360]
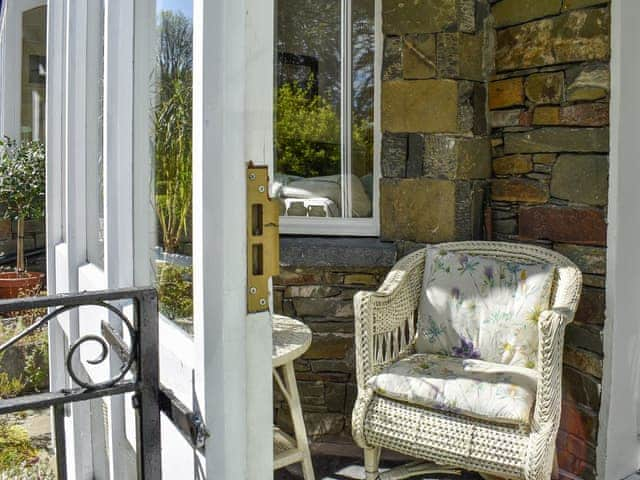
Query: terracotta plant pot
[12, 283]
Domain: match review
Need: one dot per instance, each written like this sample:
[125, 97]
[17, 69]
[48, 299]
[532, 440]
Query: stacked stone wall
[323, 299]
[435, 137]
[549, 113]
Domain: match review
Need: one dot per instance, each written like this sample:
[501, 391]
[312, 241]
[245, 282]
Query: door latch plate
[263, 238]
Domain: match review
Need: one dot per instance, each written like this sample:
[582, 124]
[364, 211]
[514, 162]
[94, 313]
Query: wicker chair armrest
[546, 414]
[551, 327]
[385, 319]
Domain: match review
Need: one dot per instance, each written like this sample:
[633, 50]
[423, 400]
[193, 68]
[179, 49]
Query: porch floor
[331, 467]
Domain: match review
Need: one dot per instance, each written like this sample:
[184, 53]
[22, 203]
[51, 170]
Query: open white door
[102, 221]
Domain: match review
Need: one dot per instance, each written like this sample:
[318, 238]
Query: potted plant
[22, 191]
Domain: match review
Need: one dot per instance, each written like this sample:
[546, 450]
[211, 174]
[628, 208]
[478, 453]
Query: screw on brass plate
[263, 302]
[253, 290]
[252, 176]
[261, 189]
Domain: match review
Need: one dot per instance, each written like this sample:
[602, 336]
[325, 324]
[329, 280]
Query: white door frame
[231, 354]
[233, 68]
[618, 441]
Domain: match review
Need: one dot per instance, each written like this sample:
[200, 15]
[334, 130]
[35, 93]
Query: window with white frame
[325, 169]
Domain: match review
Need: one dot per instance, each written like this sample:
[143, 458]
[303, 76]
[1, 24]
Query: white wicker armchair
[386, 331]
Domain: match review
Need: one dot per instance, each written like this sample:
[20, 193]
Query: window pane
[172, 120]
[34, 50]
[95, 135]
[362, 101]
[308, 150]
[323, 169]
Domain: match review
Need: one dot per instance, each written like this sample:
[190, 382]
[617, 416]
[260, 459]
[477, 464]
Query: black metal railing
[138, 373]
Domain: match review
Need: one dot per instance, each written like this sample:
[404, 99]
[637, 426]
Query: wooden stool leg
[371, 462]
[298, 421]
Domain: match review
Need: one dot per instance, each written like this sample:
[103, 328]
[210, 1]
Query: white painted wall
[618, 442]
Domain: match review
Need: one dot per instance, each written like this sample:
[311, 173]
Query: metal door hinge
[189, 423]
[263, 238]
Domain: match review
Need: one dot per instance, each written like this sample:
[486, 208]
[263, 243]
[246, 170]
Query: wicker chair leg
[371, 462]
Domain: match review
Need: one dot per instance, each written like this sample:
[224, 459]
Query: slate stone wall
[549, 113]
[435, 145]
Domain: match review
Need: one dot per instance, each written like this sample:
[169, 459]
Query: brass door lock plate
[263, 238]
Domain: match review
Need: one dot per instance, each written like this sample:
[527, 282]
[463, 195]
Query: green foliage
[10, 387]
[15, 446]
[308, 135]
[34, 349]
[175, 290]
[18, 456]
[42, 468]
[172, 119]
[36, 362]
[22, 179]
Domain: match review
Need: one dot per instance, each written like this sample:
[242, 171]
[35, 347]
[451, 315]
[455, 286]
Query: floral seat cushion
[478, 389]
[482, 308]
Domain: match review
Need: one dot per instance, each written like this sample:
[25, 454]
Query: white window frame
[349, 226]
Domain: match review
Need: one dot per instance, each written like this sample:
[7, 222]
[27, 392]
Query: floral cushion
[488, 391]
[482, 308]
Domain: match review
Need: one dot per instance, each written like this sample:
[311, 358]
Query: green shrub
[15, 445]
[22, 186]
[307, 135]
[43, 468]
[35, 348]
[172, 120]
[18, 457]
[175, 290]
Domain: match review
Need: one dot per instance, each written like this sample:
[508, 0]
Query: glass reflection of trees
[172, 122]
[309, 135]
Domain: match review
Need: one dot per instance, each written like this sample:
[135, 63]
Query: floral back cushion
[482, 308]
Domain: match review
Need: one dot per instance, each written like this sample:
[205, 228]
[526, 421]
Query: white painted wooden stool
[291, 339]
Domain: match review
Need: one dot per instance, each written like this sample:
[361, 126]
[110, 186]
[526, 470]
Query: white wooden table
[291, 339]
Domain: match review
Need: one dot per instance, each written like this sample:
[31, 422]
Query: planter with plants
[22, 194]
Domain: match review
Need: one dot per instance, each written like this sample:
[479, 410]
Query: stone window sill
[348, 252]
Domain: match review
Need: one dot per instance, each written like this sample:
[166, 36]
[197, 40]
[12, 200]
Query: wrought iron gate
[138, 374]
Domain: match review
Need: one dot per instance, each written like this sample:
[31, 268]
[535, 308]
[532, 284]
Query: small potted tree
[22, 193]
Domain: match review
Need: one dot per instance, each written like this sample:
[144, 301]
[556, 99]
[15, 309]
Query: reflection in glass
[320, 169]
[362, 98]
[172, 120]
[34, 50]
[95, 136]
[308, 173]
[100, 133]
